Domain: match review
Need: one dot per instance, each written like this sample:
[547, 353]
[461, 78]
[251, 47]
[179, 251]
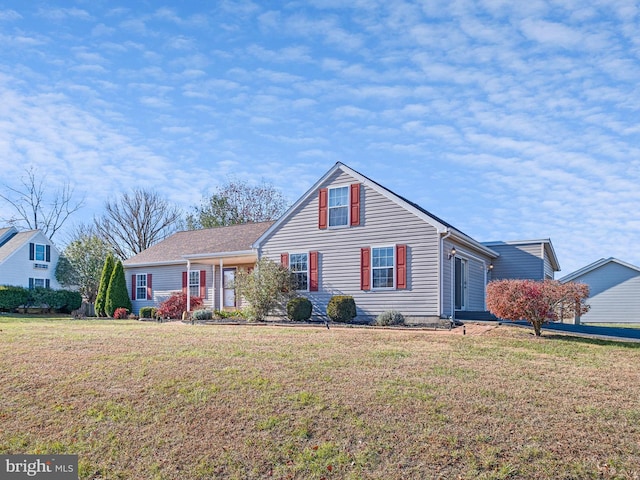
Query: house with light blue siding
[614, 291]
[524, 259]
[347, 235]
[27, 259]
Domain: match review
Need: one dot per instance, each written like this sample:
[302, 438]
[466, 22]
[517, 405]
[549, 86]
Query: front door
[228, 277]
[461, 284]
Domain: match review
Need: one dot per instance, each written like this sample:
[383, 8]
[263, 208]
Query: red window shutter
[365, 268]
[133, 287]
[203, 283]
[184, 282]
[323, 208]
[401, 266]
[284, 260]
[313, 271]
[149, 287]
[355, 204]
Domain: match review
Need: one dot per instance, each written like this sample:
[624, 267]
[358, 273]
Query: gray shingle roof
[235, 238]
[15, 243]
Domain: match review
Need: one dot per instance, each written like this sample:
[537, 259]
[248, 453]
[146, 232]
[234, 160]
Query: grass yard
[141, 400]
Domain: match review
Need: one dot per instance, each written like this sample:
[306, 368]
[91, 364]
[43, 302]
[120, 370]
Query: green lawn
[172, 401]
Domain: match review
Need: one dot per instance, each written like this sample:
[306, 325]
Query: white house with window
[347, 235]
[27, 259]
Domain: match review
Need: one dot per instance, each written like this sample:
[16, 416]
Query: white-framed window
[39, 282]
[383, 267]
[141, 286]
[194, 283]
[299, 267]
[40, 252]
[339, 206]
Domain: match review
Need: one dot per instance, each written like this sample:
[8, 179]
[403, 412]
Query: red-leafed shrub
[536, 302]
[120, 313]
[173, 306]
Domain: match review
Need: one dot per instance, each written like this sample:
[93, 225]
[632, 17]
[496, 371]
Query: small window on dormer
[40, 252]
[339, 207]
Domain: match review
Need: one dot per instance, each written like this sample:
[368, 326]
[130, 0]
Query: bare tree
[238, 202]
[136, 221]
[36, 210]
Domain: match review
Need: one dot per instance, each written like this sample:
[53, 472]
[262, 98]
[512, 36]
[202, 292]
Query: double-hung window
[194, 283]
[141, 286]
[299, 267]
[39, 283]
[339, 207]
[382, 267]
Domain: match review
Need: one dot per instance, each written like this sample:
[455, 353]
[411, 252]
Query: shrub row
[64, 301]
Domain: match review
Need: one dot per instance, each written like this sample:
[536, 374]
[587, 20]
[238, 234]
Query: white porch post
[188, 285]
[221, 284]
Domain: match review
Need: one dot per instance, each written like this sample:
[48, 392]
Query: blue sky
[510, 120]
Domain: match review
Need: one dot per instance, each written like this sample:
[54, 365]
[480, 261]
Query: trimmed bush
[121, 313]
[105, 278]
[173, 306]
[148, 312]
[299, 309]
[117, 293]
[341, 308]
[203, 314]
[12, 297]
[391, 317]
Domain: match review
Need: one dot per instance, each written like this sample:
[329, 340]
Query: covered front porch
[212, 276]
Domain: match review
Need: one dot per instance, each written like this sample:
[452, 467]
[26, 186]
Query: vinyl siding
[613, 294]
[476, 268]
[383, 223]
[519, 262]
[548, 269]
[167, 279]
[17, 268]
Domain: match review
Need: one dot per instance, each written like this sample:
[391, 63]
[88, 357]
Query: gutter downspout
[188, 289]
[441, 282]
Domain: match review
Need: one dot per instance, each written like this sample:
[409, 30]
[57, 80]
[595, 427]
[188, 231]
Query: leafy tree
[238, 202]
[81, 263]
[105, 278]
[36, 208]
[267, 286]
[117, 293]
[136, 221]
[536, 302]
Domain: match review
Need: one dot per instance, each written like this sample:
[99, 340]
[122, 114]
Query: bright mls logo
[49, 467]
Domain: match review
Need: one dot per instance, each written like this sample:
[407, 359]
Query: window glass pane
[382, 264]
[194, 283]
[383, 278]
[298, 266]
[40, 249]
[38, 282]
[338, 206]
[141, 287]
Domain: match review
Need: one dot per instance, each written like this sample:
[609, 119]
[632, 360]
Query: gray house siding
[613, 294]
[519, 262]
[166, 280]
[383, 223]
[476, 268]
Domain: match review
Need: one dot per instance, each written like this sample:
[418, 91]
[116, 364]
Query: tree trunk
[537, 327]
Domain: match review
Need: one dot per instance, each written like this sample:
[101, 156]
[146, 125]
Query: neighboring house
[27, 259]
[524, 259]
[201, 263]
[347, 235]
[613, 291]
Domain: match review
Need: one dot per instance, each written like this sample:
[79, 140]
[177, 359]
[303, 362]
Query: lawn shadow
[592, 341]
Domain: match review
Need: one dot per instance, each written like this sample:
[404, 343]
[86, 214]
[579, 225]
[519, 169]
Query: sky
[509, 120]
